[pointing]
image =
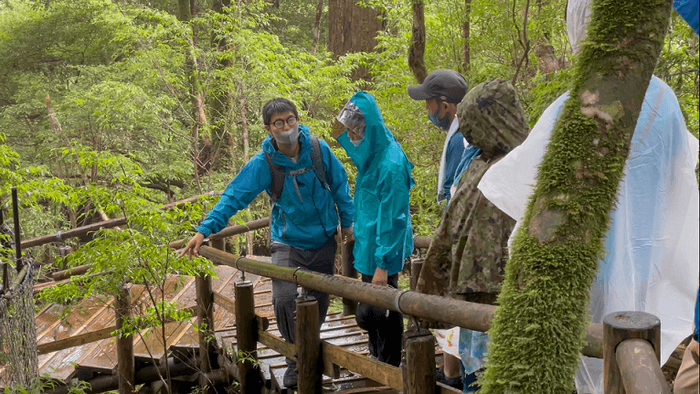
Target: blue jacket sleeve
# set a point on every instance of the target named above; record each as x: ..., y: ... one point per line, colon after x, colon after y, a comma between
x: 455, y: 148
x: 240, y: 192
x: 394, y: 220
x: 338, y: 182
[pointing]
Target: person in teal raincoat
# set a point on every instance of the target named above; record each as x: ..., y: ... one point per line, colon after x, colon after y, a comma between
x: 382, y: 230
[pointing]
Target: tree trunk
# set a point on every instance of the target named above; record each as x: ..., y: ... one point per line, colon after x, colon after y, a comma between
x: 246, y: 148
x: 351, y: 29
x: 317, y: 26
x: 537, y: 332
x: 417, y: 48
x: 466, y: 61
x: 200, y: 156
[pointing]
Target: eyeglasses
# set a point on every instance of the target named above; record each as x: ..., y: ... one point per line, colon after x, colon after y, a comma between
x: 291, y: 121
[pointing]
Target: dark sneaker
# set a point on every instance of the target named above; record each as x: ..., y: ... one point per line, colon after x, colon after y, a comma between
x: 455, y: 382
x: 289, y: 379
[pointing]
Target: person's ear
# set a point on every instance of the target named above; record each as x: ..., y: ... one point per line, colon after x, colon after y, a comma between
x: 267, y: 128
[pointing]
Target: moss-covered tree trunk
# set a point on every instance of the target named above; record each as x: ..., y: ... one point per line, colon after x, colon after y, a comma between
x: 537, y: 333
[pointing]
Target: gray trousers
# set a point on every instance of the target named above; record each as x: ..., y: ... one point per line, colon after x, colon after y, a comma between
x: 284, y: 294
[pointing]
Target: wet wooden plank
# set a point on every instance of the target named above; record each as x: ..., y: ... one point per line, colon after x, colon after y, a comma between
x: 81, y: 315
x: 185, y: 339
x: 103, y: 356
x: 151, y: 342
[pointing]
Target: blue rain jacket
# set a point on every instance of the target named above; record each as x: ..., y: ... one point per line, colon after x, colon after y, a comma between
x: 304, y: 216
x: 383, y: 230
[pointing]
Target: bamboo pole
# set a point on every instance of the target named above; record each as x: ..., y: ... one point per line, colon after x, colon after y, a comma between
x: 228, y: 231
x: 465, y: 314
x: 78, y: 231
x: 640, y: 371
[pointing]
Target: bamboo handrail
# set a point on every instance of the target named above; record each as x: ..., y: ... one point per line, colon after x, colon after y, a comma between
x: 460, y: 313
x: 639, y: 369
x: 78, y: 231
x: 229, y: 231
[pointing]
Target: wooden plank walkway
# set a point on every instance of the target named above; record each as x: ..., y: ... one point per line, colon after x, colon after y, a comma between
x: 100, y: 357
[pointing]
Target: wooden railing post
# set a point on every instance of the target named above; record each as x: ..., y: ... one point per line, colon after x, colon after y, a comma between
x: 618, y: 327
x: 125, y: 344
x: 218, y: 244
x: 247, y: 338
x: 205, y: 319
x: 308, y: 346
x: 348, y: 268
x: 418, y: 363
x: 416, y: 265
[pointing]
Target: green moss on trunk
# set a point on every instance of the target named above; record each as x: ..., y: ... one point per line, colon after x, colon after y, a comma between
x: 537, y: 333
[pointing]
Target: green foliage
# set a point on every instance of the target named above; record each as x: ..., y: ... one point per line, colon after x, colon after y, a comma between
x: 118, y: 136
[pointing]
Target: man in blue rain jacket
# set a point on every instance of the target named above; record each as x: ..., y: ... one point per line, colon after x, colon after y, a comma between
x: 304, y: 217
x: 383, y: 234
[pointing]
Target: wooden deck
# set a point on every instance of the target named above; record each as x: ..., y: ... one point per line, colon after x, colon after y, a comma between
x: 97, y: 358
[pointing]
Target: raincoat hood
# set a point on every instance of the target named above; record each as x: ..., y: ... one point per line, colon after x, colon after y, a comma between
x: 491, y: 119
x: 383, y: 230
x: 376, y: 135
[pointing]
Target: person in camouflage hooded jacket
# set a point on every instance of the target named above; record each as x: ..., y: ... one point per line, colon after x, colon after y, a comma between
x: 467, y: 256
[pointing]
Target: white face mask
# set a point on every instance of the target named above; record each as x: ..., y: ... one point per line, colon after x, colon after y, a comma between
x: 356, y: 143
x: 288, y: 137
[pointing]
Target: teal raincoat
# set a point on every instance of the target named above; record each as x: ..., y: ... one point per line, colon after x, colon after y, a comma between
x: 383, y: 231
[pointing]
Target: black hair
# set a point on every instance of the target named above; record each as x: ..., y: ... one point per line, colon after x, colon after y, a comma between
x: 275, y: 106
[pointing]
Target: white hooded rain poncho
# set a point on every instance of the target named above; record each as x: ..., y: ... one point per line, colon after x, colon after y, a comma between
x: 651, y: 261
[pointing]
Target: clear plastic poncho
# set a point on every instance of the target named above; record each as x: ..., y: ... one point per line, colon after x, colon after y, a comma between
x: 652, y: 258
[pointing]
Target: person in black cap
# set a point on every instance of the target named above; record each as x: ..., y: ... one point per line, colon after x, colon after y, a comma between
x: 442, y: 90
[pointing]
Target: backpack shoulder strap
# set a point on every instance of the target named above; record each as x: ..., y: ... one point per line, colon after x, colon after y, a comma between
x: 317, y: 160
x: 277, y: 178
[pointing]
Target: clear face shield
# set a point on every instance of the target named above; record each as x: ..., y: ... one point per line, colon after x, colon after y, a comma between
x: 352, y: 120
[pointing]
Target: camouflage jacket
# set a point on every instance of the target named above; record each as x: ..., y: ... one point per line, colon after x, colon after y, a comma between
x: 467, y: 256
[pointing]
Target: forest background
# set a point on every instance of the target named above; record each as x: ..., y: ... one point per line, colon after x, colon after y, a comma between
x: 115, y: 108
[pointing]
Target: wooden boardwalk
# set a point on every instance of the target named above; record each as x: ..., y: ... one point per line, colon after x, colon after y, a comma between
x: 93, y: 315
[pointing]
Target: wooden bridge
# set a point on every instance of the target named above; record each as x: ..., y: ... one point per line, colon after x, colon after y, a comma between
x: 235, y: 309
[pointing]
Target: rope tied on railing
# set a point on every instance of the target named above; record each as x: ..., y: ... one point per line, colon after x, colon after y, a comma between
x: 235, y: 264
x: 294, y: 275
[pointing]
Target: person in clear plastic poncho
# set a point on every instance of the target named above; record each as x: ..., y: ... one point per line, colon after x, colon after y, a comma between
x: 383, y: 231
x: 651, y: 261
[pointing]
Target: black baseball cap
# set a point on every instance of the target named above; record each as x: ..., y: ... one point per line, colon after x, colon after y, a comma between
x: 446, y: 85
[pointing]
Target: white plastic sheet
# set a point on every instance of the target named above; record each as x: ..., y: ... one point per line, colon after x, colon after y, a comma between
x: 652, y: 258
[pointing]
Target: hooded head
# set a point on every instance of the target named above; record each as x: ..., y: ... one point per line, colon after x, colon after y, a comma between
x: 491, y: 118
x: 364, y: 133
x: 578, y: 14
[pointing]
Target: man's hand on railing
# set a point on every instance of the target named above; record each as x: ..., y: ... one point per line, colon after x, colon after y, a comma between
x: 380, y: 277
x: 192, y: 247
